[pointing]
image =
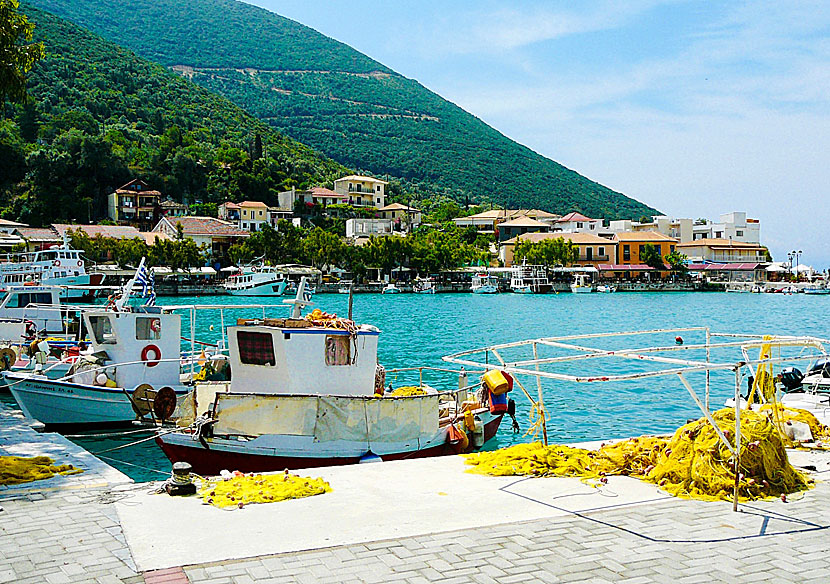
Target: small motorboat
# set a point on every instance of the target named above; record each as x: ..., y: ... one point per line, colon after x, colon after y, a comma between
x: 485, y: 284
x: 390, y: 288
x: 606, y: 288
x: 423, y: 287
x: 581, y: 284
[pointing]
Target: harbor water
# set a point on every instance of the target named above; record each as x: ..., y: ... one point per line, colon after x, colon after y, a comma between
x: 417, y: 330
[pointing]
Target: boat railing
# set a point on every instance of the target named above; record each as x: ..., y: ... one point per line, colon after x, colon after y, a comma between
x: 183, y: 361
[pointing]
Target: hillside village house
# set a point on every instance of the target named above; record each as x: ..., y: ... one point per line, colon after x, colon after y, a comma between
x: 362, y: 191
x: 171, y: 208
x: 252, y: 215
x: 134, y: 203
x: 361, y: 227
x: 520, y: 226
x: 487, y: 221
x: 577, y: 223
x: 216, y: 235
x: 401, y: 214
x: 593, y: 249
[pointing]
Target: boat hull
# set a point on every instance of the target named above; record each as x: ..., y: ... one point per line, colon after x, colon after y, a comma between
x: 210, y: 456
x: 581, y: 289
x: 273, y: 288
x: 485, y: 290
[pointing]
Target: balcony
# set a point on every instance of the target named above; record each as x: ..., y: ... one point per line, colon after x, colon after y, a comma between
x: 593, y: 258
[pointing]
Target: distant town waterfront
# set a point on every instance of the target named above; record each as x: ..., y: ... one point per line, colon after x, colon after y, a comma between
x: 420, y: 329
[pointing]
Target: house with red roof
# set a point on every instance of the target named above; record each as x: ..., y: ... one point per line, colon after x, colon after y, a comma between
x: 216, y: 235
x: 575, y: 222
x: 134, y: 203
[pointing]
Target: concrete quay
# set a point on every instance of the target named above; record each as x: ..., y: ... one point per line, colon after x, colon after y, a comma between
x: 404, y: 522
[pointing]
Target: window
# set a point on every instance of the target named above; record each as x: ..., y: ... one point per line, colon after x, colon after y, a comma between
x: 601, y: 251
x: 256, y: 348
x: 24, y: 299
x: 626, y: 253
x: 589, y: 253
x: 338, y: 350
x: 101, y: 327
x: 377, y: 188
x: 147, y: 329
x: 739, y: 233
x: 579, y: 225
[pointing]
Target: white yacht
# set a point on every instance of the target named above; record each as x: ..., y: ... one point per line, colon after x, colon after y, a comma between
x: 485, y: 284
x: 260, y: 280
x: 56, y: 266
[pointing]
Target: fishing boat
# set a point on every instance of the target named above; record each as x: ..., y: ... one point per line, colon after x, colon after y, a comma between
x: 581, y: 284
x: 257, y: 280
x: 423, y: 286
x: 529, y: 279
x: 390, y: 288
x: 816, y: 289
x: 606, y: 288
x: 485, y: 284
x: 344, y: 287
x: 56, y: 266
x: 308, y: 392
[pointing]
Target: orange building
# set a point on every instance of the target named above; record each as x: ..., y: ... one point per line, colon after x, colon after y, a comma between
x: 593, y: 250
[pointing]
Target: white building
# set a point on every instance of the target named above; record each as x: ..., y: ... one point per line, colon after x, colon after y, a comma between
x: 368, y: 227
x: 734, y: 226
x: 362, y: 191
x: 577, y: 223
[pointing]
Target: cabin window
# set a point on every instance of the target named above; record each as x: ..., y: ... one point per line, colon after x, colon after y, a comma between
x: 25, y: 298
x: 147, y: 329
x: 338, y: 350
x: 101, y: 327
x: 256, y: 348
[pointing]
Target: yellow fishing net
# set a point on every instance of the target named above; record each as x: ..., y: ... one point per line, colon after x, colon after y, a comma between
x: 693, y: 463
x: 16, y: 469
x: 406, y: 391
x: 244, y: 489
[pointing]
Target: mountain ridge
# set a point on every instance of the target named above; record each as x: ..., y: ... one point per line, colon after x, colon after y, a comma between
x: 343, y: 103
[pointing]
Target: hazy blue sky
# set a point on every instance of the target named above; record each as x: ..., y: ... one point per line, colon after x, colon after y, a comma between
x: 696, y: 108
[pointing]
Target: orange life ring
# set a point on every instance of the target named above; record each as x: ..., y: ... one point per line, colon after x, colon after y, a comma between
x: 156, y: 355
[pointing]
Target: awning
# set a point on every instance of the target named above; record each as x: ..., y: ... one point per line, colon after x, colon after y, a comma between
x: 731, y: 267
x: 624, y: 268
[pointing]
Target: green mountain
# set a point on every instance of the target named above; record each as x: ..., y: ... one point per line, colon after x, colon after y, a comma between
x: 339, y: 101
x: 99, y: 115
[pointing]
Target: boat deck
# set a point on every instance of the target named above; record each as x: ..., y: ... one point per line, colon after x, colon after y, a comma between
x: 423, y: 520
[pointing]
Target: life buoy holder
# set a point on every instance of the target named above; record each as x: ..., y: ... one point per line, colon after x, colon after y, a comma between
x: 145, y: 354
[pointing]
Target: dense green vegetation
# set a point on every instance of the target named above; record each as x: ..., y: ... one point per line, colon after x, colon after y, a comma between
x: 176, y: 253
x: 17, y: 53
x: 346, y: 105
x: 547, y: 252
x: 98, y: 116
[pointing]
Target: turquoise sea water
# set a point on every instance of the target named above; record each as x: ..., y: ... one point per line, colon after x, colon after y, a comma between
x: 420, y: 329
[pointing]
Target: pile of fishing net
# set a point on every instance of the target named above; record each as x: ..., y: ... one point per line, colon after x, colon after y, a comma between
x: 406, y: 391
x: 17, y: 469
x: 694, y: 463
x: 241, y: 489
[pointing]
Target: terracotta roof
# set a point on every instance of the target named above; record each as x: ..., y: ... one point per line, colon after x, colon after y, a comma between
x: 129, y: 192
x: 574, y: 216
x: 577, y: 238
x: 114, y: 231
x: 358, y: 177
x: 37, y: 233
x: 646, y: 236
x: 524, y: 222
x: 399, y: 207
x: 537, y: 213
x: 253, y: 204
x: 229, y: 205
x: 171, y: 204
x: 7, y: 223
x: 719, y: 242
x: 204, y: 226
x: 323, y: 192
x: 150, y: 236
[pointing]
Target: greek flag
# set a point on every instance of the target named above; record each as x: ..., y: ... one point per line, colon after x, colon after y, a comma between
x: 147, y: 280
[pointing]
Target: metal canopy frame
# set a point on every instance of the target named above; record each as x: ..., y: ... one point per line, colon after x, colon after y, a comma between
x: 811, y: 349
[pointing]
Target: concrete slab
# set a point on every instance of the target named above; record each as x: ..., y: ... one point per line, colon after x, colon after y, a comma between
x: 369, y: 502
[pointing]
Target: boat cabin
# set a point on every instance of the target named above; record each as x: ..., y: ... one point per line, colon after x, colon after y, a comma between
x: 144, y: 343
x: 292, y: 356
x: 39, y: 305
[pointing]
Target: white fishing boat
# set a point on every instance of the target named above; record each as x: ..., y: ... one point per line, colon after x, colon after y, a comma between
x: 606, y: 288
x: 529, y: 279
x: 485, y: 284
x: 390, y: 288
x: 258, y: 280
x: 57, y: 266
x: 423, y: 286
x: 308, y: 392
x: 581, y: 284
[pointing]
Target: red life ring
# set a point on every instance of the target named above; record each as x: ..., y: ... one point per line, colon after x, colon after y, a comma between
x: 155, y: 325
x: 156, y: 355
x: 56, y: 262
x: 80, y: 263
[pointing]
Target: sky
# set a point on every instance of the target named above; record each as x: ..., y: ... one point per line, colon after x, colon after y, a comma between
x: 696, y: 108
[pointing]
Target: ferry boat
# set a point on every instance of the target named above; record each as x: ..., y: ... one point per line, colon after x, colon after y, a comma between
x: 423, y: 286
x: 56, y: 266
x: 529, y: 279
x: 260, y: 280
x: 581, y: 284
x: 308, y: 392
x: 485, y: 284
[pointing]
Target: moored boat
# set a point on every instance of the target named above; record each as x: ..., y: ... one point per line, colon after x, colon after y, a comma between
x: 308, y: 392
x: 529, y: 279
x: 259, y: 280
x: 581, y: 284
x: 423, y: 286
x: 56, y: 266
x: 390, y: 288
x: 485, y: 284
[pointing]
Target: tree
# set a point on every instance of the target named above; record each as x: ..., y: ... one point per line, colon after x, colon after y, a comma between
x: 204, y: 209
x: 17, y: 54
x: 651, y: 257
x: 677, y: 262
x: 547, y: 252
x: 322, y: 247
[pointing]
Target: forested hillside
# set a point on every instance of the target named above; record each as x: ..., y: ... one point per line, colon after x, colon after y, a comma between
x: 99, y: 115
x: 341, y: 102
